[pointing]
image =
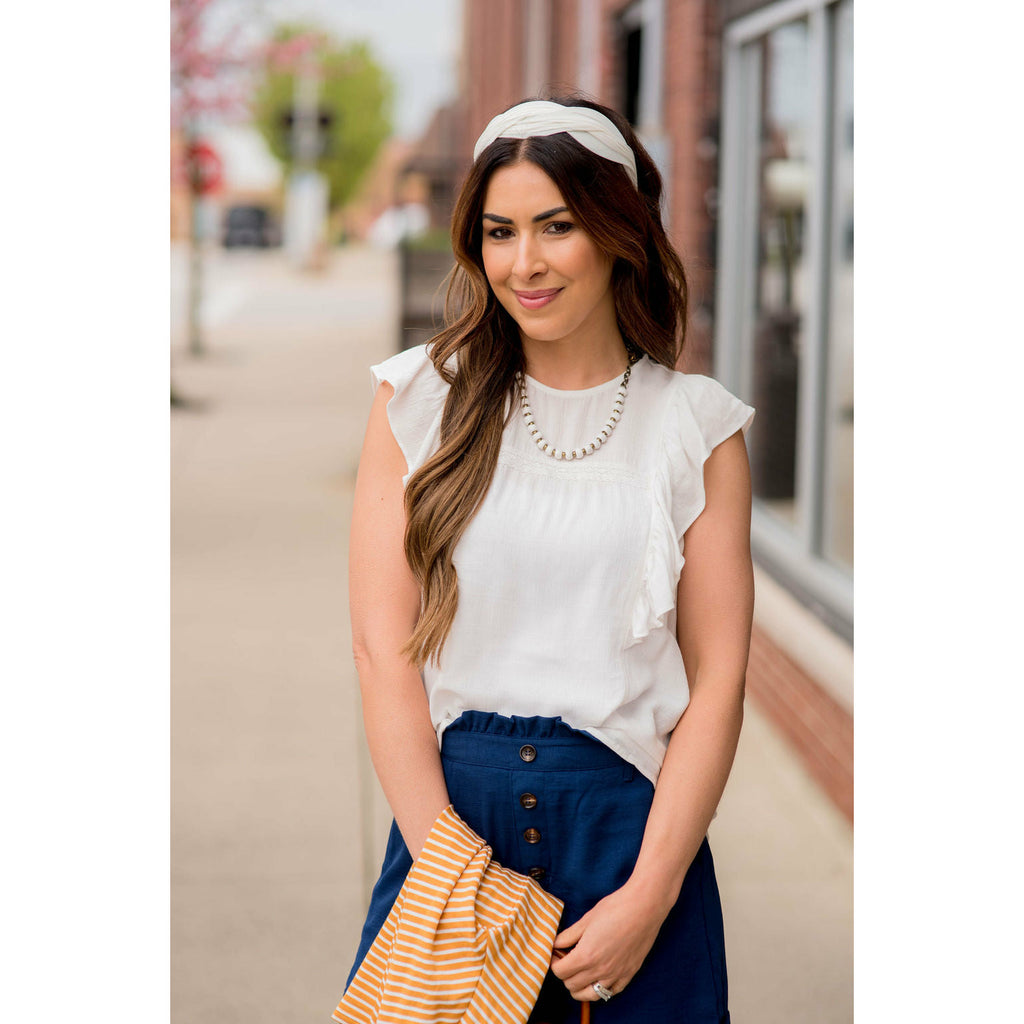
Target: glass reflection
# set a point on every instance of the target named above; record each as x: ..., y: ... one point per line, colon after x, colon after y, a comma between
x: 780, y: 300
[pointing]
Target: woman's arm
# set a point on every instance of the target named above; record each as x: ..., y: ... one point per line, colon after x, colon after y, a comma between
x: 715, y: 608
x: 384, y: 600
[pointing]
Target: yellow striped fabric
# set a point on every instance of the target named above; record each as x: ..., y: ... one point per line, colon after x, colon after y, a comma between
x: 467, y: 941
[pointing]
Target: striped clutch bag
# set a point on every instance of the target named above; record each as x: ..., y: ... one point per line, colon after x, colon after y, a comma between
x: 467, y: 940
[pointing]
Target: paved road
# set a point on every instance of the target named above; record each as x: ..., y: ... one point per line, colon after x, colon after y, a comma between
x: 277, y: 825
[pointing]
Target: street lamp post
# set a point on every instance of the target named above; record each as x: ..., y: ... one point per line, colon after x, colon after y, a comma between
x: 306, y: 198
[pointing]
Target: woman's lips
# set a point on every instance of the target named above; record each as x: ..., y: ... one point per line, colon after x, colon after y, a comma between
x: 534, y: 300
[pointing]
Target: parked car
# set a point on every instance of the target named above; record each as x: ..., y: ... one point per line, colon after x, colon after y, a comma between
x: 250, y: 227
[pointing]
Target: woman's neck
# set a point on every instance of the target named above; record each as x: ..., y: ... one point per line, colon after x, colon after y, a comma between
x: 575, y: 365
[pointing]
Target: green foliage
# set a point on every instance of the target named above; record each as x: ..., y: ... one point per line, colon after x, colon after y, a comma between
x: 434, y: 240
x: 356, y: 90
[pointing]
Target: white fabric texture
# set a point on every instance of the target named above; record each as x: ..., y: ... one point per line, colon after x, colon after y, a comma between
x: 590, y: 128
x: 568, y: 571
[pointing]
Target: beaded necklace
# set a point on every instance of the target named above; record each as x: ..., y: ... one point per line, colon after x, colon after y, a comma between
x: 602, y: 435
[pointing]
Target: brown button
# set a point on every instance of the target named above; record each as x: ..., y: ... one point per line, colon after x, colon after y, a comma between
x: 536, y: 873
x: 528, y: 800
x: 527, y: 752
x: 532, y: 835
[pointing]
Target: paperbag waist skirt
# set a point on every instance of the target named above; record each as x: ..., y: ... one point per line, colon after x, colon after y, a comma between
x: 559, y: 806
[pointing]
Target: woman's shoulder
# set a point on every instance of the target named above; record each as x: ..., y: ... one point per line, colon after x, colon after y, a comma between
x: 410, y: 369
x: 694, y: 404
x: 680, y: 386
x: 415, y: 408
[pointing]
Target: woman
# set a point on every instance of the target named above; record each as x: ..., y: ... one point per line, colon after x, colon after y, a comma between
x: 529, y: 483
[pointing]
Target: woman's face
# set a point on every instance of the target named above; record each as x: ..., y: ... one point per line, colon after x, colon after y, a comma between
x: 543, y: 267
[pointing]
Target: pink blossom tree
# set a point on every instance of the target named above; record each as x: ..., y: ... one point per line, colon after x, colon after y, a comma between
x: 214, y: 57
x: 207, y: 82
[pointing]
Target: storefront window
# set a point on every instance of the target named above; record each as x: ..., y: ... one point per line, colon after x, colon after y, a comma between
x: 780, y: 292
x: 784, y: 321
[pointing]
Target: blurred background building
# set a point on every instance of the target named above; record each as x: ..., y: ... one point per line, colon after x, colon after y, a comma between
x: 365, y: 116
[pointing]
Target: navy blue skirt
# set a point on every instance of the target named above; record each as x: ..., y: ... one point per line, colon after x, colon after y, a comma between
x: 557, y: 805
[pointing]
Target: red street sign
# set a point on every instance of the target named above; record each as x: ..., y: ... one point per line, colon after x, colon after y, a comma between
x: 206, y: 169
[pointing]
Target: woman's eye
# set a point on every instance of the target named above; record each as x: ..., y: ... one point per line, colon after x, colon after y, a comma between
x: 499, y: 234
x: 560, y: 227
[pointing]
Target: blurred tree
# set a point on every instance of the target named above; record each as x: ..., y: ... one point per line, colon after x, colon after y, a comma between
x: 207, y: 80
x: 213, y: 61
x: 354, y: 99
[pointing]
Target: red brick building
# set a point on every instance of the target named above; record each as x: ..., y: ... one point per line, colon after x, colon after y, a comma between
x: 746, y: 106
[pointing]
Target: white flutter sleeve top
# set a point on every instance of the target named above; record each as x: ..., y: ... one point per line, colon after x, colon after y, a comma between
x: 568, y: 570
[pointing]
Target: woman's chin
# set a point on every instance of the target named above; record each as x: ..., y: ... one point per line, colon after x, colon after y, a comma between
x: 536, y: 329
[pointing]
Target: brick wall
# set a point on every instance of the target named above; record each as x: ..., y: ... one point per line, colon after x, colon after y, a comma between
x: 690, y: 104
x: 564, y: 63
x: 493, y: 62
x: 817, y: 727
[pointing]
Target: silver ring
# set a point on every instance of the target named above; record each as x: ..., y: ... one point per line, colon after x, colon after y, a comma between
x: 604, y: 993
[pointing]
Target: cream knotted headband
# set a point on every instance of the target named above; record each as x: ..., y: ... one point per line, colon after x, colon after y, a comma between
x: 588, y: 127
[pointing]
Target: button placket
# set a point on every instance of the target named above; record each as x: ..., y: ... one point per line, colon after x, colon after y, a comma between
x: 528, y: 814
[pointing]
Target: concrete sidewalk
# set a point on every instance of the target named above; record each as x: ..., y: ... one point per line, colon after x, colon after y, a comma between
x: 278, y: 825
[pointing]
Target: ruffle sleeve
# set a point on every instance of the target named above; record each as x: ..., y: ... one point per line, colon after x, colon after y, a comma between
x: 700, y: 415
x: 415, y: 409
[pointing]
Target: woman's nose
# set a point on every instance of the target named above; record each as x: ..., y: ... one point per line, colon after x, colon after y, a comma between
x: 529, y: 258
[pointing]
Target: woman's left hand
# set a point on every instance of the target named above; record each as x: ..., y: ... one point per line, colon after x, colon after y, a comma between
x: 609, y: 944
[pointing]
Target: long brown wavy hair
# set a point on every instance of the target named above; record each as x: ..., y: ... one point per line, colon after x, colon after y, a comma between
x: 479, y: 351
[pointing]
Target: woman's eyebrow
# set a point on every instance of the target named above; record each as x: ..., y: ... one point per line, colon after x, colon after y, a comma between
x: 540, y: 216
x: 550, y: 213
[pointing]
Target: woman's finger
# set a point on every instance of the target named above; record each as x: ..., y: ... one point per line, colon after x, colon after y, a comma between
x: 566, y: 958
x: 585, y: 982
x: 566, y: 966
x: 571, y: 935
x: 579, y: 978
x: 585, y: 993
